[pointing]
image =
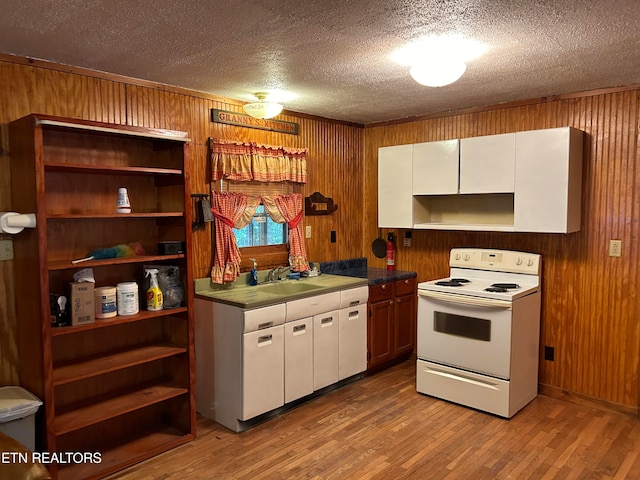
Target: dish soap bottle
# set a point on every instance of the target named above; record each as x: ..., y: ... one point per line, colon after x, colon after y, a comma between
x: 253, y: 275
x: 154, y: 294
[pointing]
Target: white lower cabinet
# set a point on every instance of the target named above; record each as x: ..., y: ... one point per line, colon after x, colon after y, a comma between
x: 352, y: 344
x: 250, y: 362
x: 298, y: 359
x: 325, y: 349
x: 262, y: 371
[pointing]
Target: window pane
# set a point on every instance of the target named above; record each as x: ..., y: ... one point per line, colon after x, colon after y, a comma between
x: 261, y: 231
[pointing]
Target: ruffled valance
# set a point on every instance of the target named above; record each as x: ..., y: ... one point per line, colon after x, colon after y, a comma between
x: 249, y: 161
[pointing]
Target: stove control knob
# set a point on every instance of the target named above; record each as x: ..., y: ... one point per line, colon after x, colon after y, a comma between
x: 519, y: 261
x: 530, y: 262
x: 457, y: 256
x: 466, y: 258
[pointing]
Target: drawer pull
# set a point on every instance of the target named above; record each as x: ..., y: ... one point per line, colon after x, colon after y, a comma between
x: 354, y: 313
x: 265, y: 339
x: 299, y: 328
x: 262, y: 326
x: 353, y: 303
x: 326, y: 320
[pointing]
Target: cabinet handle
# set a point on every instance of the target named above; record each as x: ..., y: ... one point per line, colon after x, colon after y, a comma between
x: 326, y: 320
x: 390, y: 302
x: 353, y: 314
x: 354, y: 303
x: 299, y: 328
x: 384, y: 286
x: 265, y: 325
x: 265, y: 339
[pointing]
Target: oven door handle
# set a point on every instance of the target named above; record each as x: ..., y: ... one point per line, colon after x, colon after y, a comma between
x: 466, y: 299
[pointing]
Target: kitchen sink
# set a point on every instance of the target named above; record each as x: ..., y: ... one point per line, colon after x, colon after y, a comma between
x: 288, y: 288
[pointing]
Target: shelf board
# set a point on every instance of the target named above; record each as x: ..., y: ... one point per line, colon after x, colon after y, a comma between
x: 109, y: 170
x: 114, y: 216
x: 103, y: 409
x: 147, y: 445
x: 480, y: 227
x: 117, y: 320
x: 110, y: 362
x: 66, y: 264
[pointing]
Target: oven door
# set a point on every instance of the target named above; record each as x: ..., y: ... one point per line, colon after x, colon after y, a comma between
x: 466, y: 332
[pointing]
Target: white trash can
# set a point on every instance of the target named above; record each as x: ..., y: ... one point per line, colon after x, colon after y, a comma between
x: 17, y: 414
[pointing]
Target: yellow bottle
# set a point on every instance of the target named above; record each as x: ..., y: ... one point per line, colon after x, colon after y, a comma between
x: 154, y: 294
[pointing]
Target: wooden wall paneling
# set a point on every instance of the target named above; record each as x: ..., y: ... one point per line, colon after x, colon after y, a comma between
x: 590, y: 305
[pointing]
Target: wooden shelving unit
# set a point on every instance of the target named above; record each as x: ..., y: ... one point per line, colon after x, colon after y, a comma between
x: 124, y: 386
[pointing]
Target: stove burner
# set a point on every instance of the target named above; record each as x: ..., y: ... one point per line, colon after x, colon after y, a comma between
x: 506, y: 285
x: 449, y: 283
x: 495, y: 289
x: 460, y: 280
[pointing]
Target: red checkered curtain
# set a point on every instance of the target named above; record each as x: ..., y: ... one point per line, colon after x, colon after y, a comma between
x: 269, y: 164
x: 296, y: 159
x: 230, y: 160
x: 290, y: 206
x: 228, y: 209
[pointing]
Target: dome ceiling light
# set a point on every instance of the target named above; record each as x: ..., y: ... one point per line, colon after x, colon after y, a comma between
x: 262, y: 109
x: 436, y: 61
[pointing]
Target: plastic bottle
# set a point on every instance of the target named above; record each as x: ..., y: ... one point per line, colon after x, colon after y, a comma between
x: 253, y: 276
x: 122, y: 204
x: 154, y: 294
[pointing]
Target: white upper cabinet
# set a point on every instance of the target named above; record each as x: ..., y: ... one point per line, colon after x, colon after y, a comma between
x: 524, y: 182
x: 394, y: 186
x: 548, y: 180
x: 436, y: 167
x: 487, y: 164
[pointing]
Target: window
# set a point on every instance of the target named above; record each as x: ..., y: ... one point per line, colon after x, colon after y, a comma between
x: 262, y: 231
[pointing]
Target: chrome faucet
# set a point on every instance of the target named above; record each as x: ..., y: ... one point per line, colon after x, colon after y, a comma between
x: 276, y: 273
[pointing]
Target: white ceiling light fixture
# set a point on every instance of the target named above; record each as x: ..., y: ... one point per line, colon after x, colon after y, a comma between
x: 437, y: 73
x: 262, y: 109
x: 437, y: 61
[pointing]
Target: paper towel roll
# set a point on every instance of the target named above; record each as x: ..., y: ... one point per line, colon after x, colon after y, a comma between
x: 13, y: 222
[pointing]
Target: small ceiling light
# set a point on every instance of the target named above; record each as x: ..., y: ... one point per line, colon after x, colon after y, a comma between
x: 262, y: 109
x: 436, y: 61
x: 437, y: 74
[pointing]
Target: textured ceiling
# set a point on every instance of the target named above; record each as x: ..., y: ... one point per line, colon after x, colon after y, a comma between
x: 334, y: 54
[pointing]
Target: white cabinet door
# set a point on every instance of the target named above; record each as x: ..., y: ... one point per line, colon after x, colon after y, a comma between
x: 394, y: 187
x: 352, y: 341
x: 325, y: 349
x: 298, y: 359
x: 487, y: 164
x: 548, y: 184
x: 436, y: 167
x: 262, y: 371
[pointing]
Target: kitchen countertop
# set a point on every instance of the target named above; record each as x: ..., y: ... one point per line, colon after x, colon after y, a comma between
x: 242, y: 295
x: 357, y: 268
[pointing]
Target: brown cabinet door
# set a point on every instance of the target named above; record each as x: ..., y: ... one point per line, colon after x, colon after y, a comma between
x: 405, y: 324
x: 381, y: 332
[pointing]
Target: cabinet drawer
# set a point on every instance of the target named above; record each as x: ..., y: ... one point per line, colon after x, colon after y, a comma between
x: 307, y: 307
x: 265, y: 317
x: 405, y: 287
x: 383, y: 291
x: 353, y: 297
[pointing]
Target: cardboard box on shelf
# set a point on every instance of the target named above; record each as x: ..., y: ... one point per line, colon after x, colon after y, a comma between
x: 82, y: 303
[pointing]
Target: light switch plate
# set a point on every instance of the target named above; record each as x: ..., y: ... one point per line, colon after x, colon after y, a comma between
x: 6, y: 249
x: 307, y: 231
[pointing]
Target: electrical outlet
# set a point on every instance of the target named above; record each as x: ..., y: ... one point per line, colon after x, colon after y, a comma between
x: 6, y: 249
x: 307, y: 231
x: 549, y: 353
x: 615, y: 248
x: 406, y: 242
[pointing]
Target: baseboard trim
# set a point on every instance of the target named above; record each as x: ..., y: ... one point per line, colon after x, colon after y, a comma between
x: 587, y: 401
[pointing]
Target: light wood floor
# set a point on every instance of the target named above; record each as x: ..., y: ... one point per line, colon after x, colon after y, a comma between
x: 380, y: 428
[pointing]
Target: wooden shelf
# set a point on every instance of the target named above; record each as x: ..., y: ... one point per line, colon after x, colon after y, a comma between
x: 109, y: 170
x: 76, y: 418
x: 66, y: 264
x: 147, y: 445
x: 117, y: 320
x: 116, y: 378
x: 101, y: 364
x: 114, y: 216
